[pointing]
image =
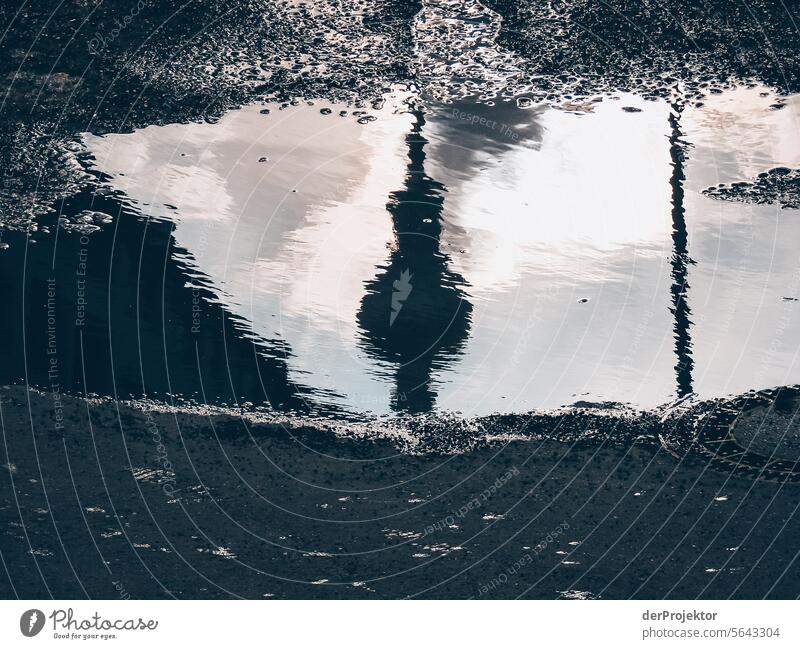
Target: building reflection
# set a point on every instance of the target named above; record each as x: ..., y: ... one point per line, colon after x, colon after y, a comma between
x: 415, y: 314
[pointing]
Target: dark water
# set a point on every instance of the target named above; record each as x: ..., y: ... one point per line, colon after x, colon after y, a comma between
x: 403, y: 308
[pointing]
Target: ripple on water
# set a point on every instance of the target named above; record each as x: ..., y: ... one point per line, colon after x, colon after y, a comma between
x: 524, y: 295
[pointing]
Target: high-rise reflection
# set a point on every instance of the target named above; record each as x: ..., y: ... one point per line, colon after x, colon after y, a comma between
x: 415, y: 313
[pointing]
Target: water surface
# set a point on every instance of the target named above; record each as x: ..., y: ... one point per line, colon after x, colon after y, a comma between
x: 474, y: 258
x: 307, y: 214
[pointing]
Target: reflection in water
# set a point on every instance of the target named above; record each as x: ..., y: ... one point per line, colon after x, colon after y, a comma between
x: 415, y: 314
x: 470, y: 134
x: 680, y: 258
x: 129, y: 318
x: 535, y: 218
x: 744, y: 335
x: 568, y: 229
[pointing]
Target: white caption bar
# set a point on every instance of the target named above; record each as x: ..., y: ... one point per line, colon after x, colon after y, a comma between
x: 399, y: 624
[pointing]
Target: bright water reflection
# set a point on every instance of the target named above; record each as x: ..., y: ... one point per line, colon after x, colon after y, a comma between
x: 476, y: 259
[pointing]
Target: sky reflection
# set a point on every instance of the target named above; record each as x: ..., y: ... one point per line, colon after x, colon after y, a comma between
x: 477, y: 259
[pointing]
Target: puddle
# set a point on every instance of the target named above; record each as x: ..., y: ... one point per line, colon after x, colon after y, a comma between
x: 471, y: 217
x: 480, y: 258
